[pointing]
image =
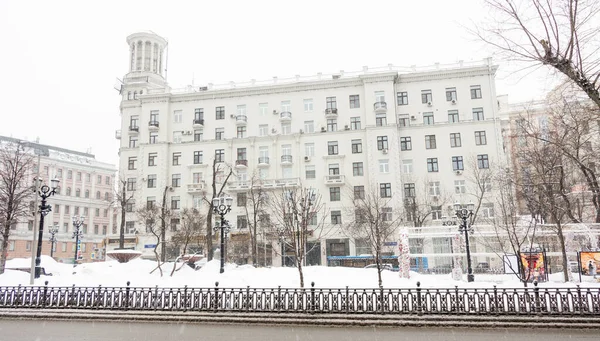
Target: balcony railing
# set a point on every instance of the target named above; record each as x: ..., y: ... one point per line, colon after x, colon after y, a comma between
x: 331, y: 112
x: 153, y: 124
x: 241, y: 119
x: 380, y: 106
x: 241, y: 163
x: 334, y: 179
x: 263, y: 160
x: 118, y: 134
x: 135, y: 129
x: 285, y: 116
x: 286, y: 159
x: 199, y: 122
x: 196, y: 187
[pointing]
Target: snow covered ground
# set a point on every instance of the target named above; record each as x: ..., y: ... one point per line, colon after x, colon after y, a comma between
x: 112, y: 273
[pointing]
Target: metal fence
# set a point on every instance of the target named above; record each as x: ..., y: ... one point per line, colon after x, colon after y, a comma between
x: 485, y: 301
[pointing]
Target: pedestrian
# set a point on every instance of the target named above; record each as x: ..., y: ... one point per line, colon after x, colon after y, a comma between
x: 592, y: 269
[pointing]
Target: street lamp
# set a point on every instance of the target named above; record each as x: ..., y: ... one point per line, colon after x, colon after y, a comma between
x: 77, y: 234
x: 44, y: 192
x: 222, y: 206
x: 281, y: 233
x: 53, y: 231
x: 464, y: 214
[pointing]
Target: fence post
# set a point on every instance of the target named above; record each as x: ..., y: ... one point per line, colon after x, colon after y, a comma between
x: 16, y: 301
x: 347, y: 300
x: 579, y: 299
x: 73, y: 300
x: 216, y: 303
x: 99, y: 296
x: 312, y: 297
x: 248, y: 301
x: 419, y: 303
x: 496, y: 310
x: 536, y: 292
x: 45, y: 293
x: 185, y: 298
x: 127, y: 295
x: 381, y: 300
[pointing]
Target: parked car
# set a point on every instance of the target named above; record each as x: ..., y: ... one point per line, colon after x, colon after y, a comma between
x: 483, y: 267
x: 386, y: 266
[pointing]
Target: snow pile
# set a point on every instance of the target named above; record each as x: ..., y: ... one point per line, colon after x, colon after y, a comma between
x: 138, y: 273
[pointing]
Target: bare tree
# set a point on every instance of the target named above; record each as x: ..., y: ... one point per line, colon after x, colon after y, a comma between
x: 189, y: 232
x: 422, y: 201
x: 218, y: 183
x: 15, y: 165
x: 561, y: 34
x: 123, y: 198
x: 479, y: 177
x: 254, y: 205
x: 374, y: 221
x: 150, y: 215
x: 297, y: 214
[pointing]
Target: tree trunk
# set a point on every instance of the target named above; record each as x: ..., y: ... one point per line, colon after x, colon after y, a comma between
x: 563, y: 251
x: 299, y: 265
x: 163, y: 228
x: 209, y: 230
x: 123, y: 204
x: 4, y: 254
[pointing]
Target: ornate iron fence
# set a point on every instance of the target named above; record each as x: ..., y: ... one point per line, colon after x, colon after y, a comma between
x: 485, y: 301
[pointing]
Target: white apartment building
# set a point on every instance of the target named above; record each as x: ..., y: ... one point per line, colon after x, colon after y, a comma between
x: 86, y: 188
x: 403, y: 131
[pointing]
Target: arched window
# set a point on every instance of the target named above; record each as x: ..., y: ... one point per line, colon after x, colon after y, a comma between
x: 147, y: 52
x: 78, y: 192
x: 87, y: 193
x: 138, y: 58
x: 98, y: 195
x: 132, y: 67
x: 69, y: 191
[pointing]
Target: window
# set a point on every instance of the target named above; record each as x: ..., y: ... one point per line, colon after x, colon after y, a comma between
x: 263, y: 109
x: 133, y: 122
x: 480, y: 138
x: 286, y: 128
x: 219, y: 132
x: 380, y: 120
x: 197, y: 177
x: 88, y: 177
x: 176, y: 180
x: 198, y: 135
x: 403, y: 121
x: 177, y: 116
x: 107, y: 182
x: 478, y: 114
x: 334, y: 194
x: 453, y: 116
x: 457, y: 163
x: 359, y: 192
x: 78, y: 176
x: 475, y: 91
x: 67, y: 209
x: 286, y: 106
x: 241, y: 132
x: 263, y: 130
x: 241, y: 199
x: 153, y: 138
x: 385, y: 190
x: 310, y: 172
x: 384, y: 166
x: 354, y: 101
x: 334, y: 169
x: 96, y: 228
x: 407, y: 166
x: 150, y: 202
x: 176, y: 158
x: 336, y: 217
x: 331, y: 103
x: 99, y: 180
x: 241, y: 109
x: 355, y: 123
x: 133, y: 141
x: 105, y: 213
x: 309, y: 126
x: 129, y: 206
x: 405, y: 143
x: 487, y: 210
x: 426, y: 96
x: 331, y: 125
x: 78, y: 192
x: 357, y: 168
x: 154, y: 117
x: 87, y: 193
x: 69, y: 174
x: 104, y: 229
x: 63, y: 247
x: 152, y: 159
x: 199, y: 115
x: 483, y: 161
x: 402, y: 98
x: 309, y: 149
x: 432, y: 164
x: 460, y: 186
x: 152, y: 181
x: 242, y: 154
x: 386, y: 214
x: 450, y: 94
x: 436, y: 212
x: 131, y: 163
x: 430, y: 142
x: 434, y: 188
x: 242, y: 222
x: 332, y: 148
x: 220, y: 155
x: 428, y: 118
x: 455, y: 140
x: 356, y: 146
x: 308, y: 105
x: 409, y: 190
x: 382, y: 142
x: 220, y: 113
x: 198, y: 157
x: 175, y: 203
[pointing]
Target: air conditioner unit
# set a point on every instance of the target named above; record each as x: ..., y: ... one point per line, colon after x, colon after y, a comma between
x: 323, y: 129
x: 428, y: 104
x: 453, y: 101
x: 413, y: 117
x: 143, y: 179
x: 274, y: 112
x: 307, y: 158
x: 434, y: 198
x: 346, y: 127
x: 384, y: 150
x: 458, y: 172
x: 203, y: 88
x: 336, y: 76
x: 232, y: 116
x: 273, y: 130
x: 301, y: 131
x: 189, y: 132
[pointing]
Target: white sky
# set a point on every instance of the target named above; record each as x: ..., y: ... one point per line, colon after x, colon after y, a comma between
x: 61, y: 58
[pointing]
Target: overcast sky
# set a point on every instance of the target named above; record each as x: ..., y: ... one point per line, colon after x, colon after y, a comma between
x: 60, y: 59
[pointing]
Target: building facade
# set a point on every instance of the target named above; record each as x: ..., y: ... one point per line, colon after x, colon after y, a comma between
x: 403, y: 132
x: 86, y: 188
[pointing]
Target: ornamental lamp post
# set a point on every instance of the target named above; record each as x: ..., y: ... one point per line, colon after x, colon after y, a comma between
x: 222, y: 206
x: 282, y: 241
x: 77, y: 234
x: 464, y: 214
x: 44, y: 192
x: 53, y: 231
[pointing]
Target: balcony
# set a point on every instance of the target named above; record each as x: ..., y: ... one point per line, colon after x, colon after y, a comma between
x: 285, y: 116
x: 197, y: 187
x: 241, y: 164
x: 118, y: 134
x: 153, y: 125
x: 331, y: 113
x: 334, y: 180
x: 380, y: 107
x: 286, y: 160
x: 287, y: 182
x: 238, y: 185
x: 198, y: 123
x: 241, y: 120
x: 263, y: 161
x: 134, y: 130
